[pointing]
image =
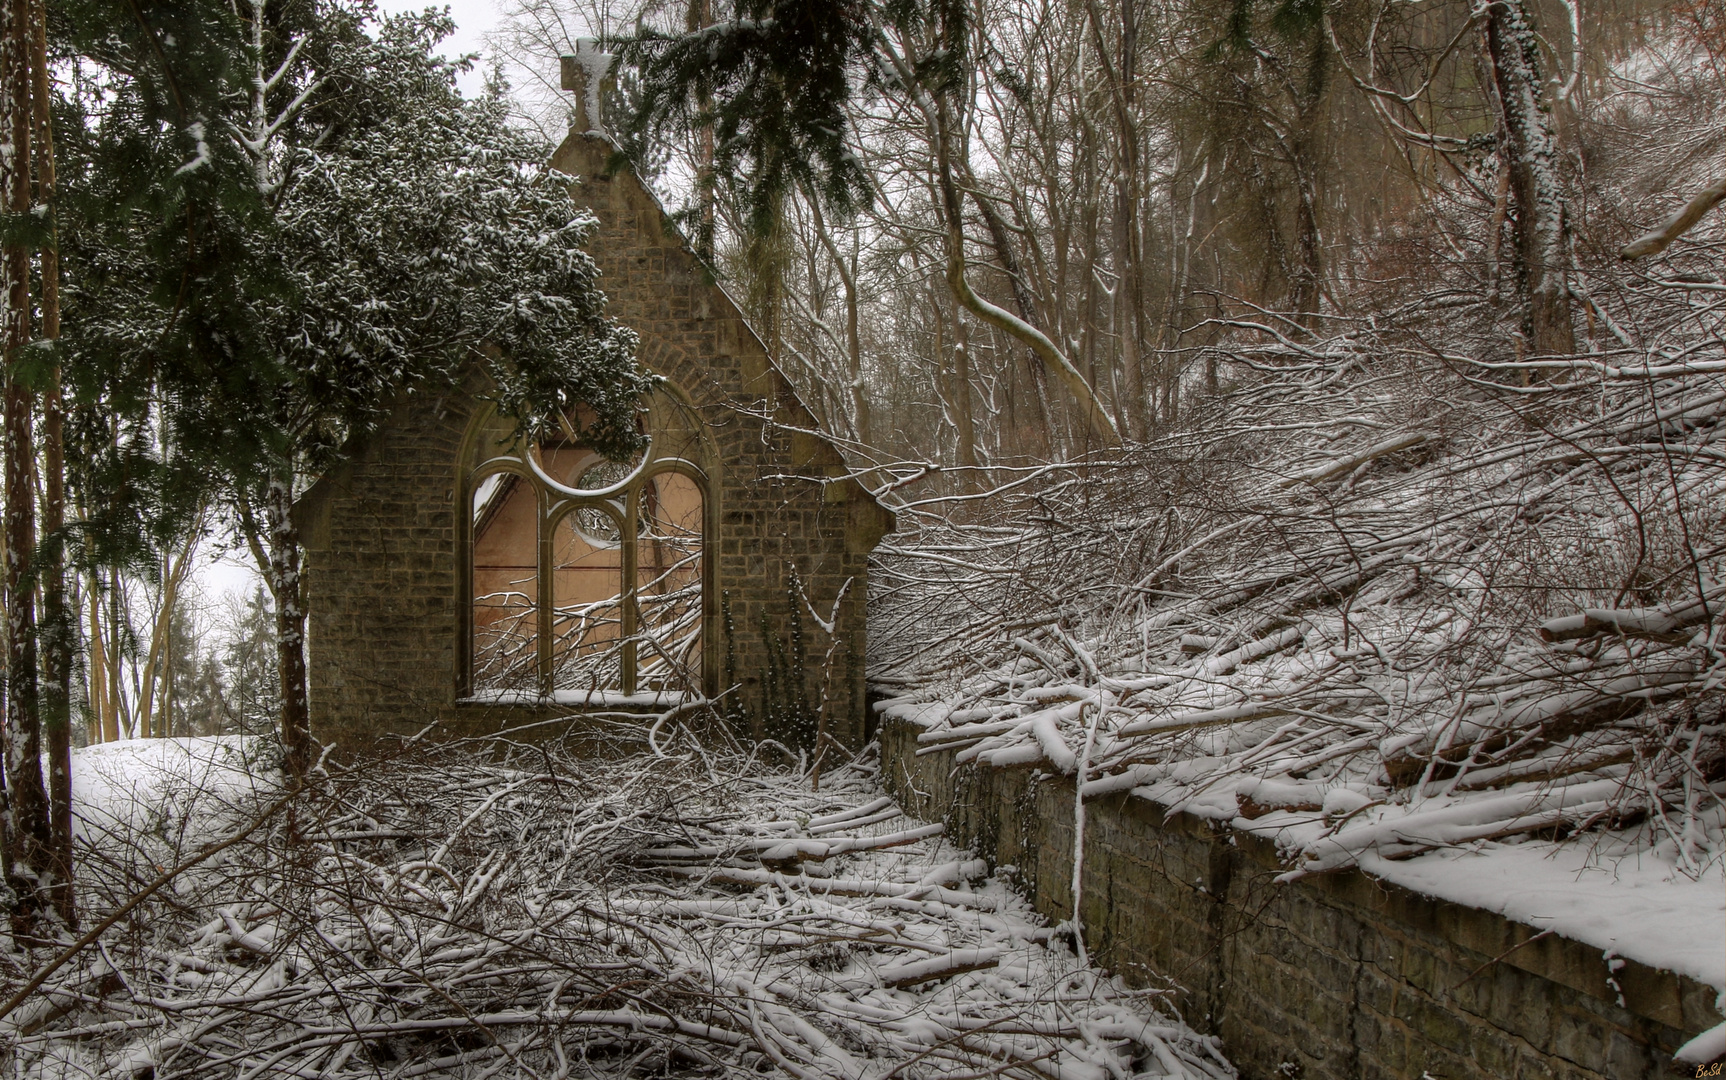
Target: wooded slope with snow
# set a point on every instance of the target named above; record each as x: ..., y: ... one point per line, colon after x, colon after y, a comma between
x: 1385, y: 594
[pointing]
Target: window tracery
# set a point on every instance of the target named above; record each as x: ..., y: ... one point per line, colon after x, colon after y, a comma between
x: 586, y: 577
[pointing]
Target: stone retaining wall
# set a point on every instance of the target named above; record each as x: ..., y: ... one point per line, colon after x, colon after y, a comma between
x: 1334, y: 976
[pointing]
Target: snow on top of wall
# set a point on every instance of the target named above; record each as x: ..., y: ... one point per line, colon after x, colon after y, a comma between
x: 1628, y: 903
x: 1610, y: 890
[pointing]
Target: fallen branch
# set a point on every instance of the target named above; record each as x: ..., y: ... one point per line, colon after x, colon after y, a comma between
x: 1677, y: 225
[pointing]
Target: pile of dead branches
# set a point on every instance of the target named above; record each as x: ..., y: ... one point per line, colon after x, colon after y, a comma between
x: 522, y: 910
x: 1420, y: 596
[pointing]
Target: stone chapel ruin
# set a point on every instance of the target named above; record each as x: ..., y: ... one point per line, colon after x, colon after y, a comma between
x: 455, y: 574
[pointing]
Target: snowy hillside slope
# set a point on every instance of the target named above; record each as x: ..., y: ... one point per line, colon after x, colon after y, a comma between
x: 465, y: 909
x: 141, y: 784
x: 1381, y: 598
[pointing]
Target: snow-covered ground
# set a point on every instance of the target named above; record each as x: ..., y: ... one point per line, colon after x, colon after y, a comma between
x: 140, y: 783
x: 464, y: 908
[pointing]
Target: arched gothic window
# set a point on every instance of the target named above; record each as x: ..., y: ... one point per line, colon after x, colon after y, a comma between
x: 586, y: 577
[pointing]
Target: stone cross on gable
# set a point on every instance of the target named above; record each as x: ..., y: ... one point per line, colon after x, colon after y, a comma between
x: 584, y: 73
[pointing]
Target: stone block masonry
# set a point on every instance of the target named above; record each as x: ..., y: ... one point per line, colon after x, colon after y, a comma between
x: 386, y: 597
x: 1332, y: 977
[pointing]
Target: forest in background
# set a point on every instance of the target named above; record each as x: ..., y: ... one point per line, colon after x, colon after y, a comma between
x: 1289, y: 407
x: 1142, y: 183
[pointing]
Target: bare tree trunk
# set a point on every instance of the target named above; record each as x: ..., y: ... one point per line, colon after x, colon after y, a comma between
x: 853, y: 329
x: 119, y: 723
x: 1129, y: 289
x: 56, y: 687
x: 1304, y: 286
x: 284, y: 553
x: 102, y: 718
x: 1023, y: 301
x: 1002, y: 242
x: 1525, y: 134
x: 29, y: 832
x: 964, y: 415
x: 854, y: 346
x: 29, y: 828
x: 1086, y: 340
x: 157, y: 664
x: 1304, y: 156
x: 953, y: 386
x: 699, y: 16
x: 1096, y: 417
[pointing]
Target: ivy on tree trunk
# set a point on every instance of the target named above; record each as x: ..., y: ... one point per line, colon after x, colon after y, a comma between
x: 1525, y: 143
x: 284, y: 553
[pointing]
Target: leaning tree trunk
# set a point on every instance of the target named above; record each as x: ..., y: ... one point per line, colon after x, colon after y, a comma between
x: 56, y: 690
x: 284, y: 554
x: 1525, y: 135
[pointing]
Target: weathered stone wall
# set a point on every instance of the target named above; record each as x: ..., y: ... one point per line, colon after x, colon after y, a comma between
x: 385, y: 591
x: 382, y: 580
x: 774, y: 510
x: 1331, y: 977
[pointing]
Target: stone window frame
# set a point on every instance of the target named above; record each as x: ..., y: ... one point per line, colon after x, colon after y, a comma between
x: 554, y: 502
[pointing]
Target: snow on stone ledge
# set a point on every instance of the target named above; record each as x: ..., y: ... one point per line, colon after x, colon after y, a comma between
x: 1635, y: 906
x: 1626, y: 902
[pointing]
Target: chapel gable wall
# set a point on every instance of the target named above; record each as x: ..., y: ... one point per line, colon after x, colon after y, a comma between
x: 384, y: 583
